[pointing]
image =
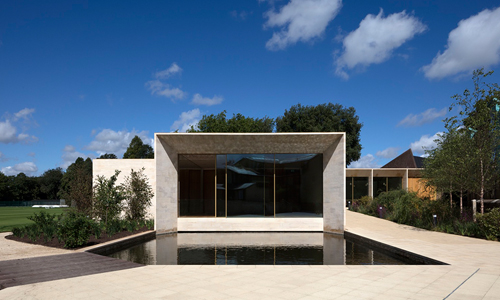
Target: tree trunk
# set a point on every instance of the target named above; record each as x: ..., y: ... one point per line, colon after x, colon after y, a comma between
x: 451, y: 196
x: 481, y: 196
x: 461, y: 206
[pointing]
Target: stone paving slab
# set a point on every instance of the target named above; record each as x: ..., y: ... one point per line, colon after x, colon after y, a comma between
x: 473, y: 273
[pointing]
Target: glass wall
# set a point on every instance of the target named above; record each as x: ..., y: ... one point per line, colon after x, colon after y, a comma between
x: 251, y: 185
x: 356, y: 187
x: 385, y: 184
x: 197, y: 185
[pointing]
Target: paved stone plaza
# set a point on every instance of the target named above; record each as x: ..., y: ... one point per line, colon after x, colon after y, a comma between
x: 473, y: 273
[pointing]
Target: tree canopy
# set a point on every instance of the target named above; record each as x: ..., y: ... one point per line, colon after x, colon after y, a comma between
x: 326, y: 117
x: 107, y: 156
x: 76, y: 184
x: 238, y: 123
x: 137, y: 149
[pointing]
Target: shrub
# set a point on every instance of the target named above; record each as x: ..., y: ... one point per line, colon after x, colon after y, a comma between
x: 138, y: 195
x: 490, y: 224
x: 76, y: 228
x: 114, y: 226
x: 46, y: 225
x: 107, y: 198
x: 18, y: 232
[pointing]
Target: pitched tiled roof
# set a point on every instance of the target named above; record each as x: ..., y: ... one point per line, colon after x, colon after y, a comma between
x: 406, y: 160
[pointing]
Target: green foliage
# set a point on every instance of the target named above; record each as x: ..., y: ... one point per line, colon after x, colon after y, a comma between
x: 76, y: 228
x: 46, y: 224
x: 138, y: 195
x: 50, y: 182
x: 107, y: 156
x: 137, y: 149
x: 490, y: 224
x: 238, y: 123
x: 107, y: 200
x: 326, y: 117
x: 76, y: 185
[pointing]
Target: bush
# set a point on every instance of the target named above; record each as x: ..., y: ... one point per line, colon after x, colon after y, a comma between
x: 490, y: 224
x: 46, y: 225
x: 76, y: 228
x: 138, y: 195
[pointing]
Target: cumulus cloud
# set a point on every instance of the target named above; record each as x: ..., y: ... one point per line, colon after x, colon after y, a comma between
x: 173, y: 69
x: 423, y: 118
x: 186, y: 120
x: 28, y: 168
x: 300, y: 20
x: 163, y: 89
x: 426, y: 142
x: 473, y: 44
x: 367, y: 161
x: 8, y: 128
x: 70, y: 155
x: 375, y: 40
x: 388, y: 153
x: 110, y: 141
x: 199, y: 100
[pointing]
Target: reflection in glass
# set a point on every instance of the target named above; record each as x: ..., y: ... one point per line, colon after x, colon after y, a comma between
x: 348, y: 188
x: 221, y: 185
x: 379, y: 185
x: 360, y: 187
x: 299, y: 185
x: 250, y: 185
x: 196, y: 185
x: 394, y: 183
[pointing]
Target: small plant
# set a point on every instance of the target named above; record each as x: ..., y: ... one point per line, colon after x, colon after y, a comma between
x: 18, y: 232
x: 76, y: 228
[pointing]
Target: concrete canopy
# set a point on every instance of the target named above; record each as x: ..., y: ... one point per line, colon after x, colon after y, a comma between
x: 169, y: 145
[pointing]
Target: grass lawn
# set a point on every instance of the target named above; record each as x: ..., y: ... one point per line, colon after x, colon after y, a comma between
x: 18, y: 216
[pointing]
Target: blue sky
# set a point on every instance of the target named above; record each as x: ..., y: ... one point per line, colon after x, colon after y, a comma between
x: 81, y: 78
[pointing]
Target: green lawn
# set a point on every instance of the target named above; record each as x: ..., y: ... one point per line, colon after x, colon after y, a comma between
x: 18, y: 216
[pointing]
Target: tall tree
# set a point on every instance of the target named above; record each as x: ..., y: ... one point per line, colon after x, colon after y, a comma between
x: 76, y: 184
x: 478, y: 113
x: 5, y: 188
x: 137, y: 149
x: 326, y: 117
x: 50, y: 182
x: 108, y: 156
x: 238, y: 123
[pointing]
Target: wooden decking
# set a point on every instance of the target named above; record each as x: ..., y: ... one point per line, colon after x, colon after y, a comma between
x: 40, y: 269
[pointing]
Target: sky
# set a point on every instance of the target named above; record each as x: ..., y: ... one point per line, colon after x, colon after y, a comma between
x: 82, y: 78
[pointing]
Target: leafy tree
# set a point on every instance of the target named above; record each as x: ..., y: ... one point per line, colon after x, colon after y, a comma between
x: 76, y: 185
x: 24, y: 188
x: 107, y: 198
x: 138, y: 195
x: 107, y: 156
x: 5, y: 188
x: 326, y: 117
x: 137, y: 149
x: 238, y: 123
x: 50, y: 182
x: 478, y: 113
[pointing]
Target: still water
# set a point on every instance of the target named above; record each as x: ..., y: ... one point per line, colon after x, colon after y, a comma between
x: 253, y: 249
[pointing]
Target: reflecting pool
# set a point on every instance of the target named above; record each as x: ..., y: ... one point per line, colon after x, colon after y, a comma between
x: 254, y: 249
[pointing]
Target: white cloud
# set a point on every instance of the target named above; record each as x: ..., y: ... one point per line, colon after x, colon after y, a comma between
x: 186, y: 120
x: 70, y: 155
x: 28, y: 168
x: 173, y: 69
x: 367, y: 161
x: 375, y: 40
x: 388, y: 153
x: 8, y: 129
x: 110, y: 141
x: 300, y: 20
x: 199, y: 100
x: 473, y: 44
x: 426, y: 142
x: 423, y: 118
x: 24, y: 113
x: 163, y: 89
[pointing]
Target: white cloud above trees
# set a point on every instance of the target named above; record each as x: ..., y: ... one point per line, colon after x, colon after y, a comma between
x: 186, y: 120
x: 367, y: 161
x: 375, y: 40
x: 110, y: 141
x: 9, y: 128
x: 200, y: 100
x: 390, y: 152
x: 425, y: 142
x: 70, y: 155
x: 300, y: 20
x: 425, y: 117
x: 28, y: 168
x: 473, y: 44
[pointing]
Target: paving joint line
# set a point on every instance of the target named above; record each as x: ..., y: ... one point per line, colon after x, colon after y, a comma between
x: 461, y: 284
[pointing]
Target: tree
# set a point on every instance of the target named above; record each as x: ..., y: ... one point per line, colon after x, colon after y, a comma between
x: 479, y: 115
x: 107, y: 198
x: 76, y: 185
x: 238, y: 123
x: 5, y: 188
x: 24, y: 188
x: 50, y: 182
x: 137, y: 149
x: 108, y: 156
x: 326, y: 117
x: 138, y: 195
